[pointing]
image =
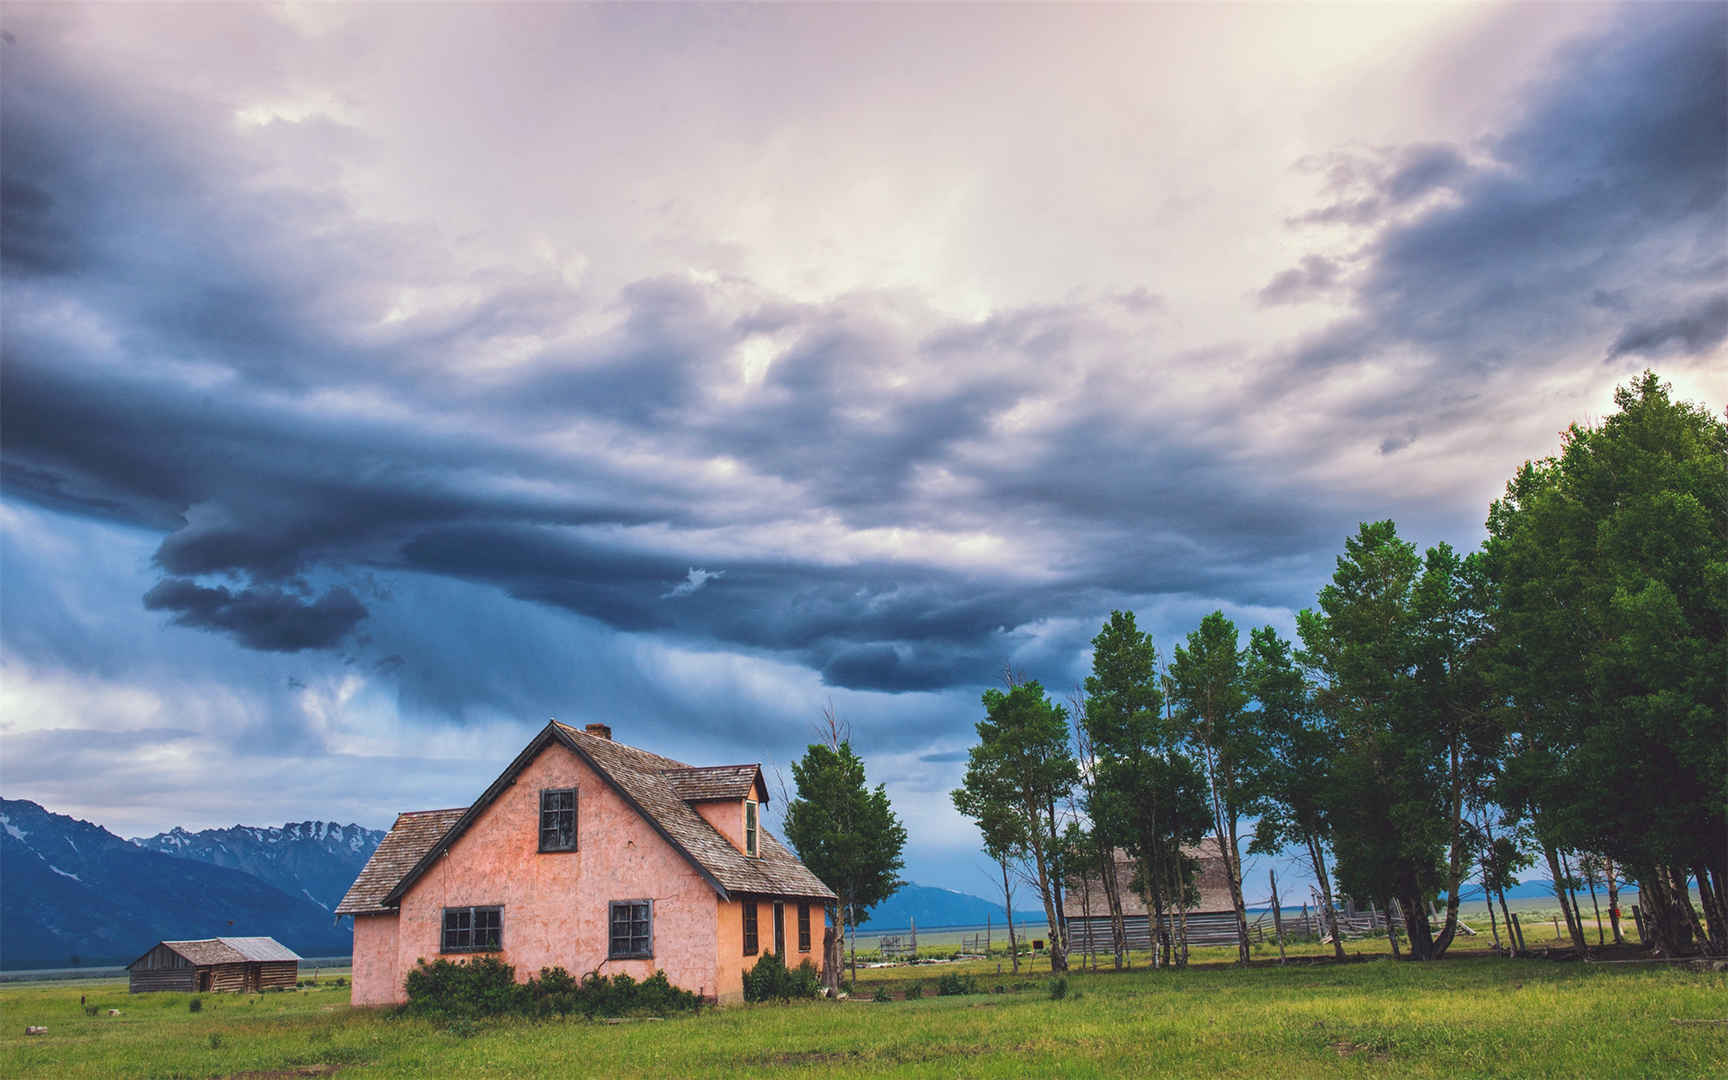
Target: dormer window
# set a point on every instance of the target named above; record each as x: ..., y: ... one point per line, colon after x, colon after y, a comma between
x: 750, y: 845
x: 558, y: 819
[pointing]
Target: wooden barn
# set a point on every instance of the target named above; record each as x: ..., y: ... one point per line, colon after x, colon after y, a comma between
x: 239, y: 964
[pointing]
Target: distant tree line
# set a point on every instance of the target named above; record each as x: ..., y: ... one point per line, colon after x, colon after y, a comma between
x: 1443, y: 719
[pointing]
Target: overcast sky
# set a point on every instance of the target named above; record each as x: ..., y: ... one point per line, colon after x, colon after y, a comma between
x: 379, y: 382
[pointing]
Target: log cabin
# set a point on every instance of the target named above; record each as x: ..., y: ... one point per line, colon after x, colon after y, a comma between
x: 234, y: 964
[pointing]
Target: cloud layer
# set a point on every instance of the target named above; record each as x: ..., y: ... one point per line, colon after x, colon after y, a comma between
x: 341, y: 430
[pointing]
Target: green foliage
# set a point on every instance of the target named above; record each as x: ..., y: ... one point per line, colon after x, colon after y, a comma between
x: 484, y: 986
x: 915, y: 991
x: 1021, y: 768
x: 881, y: 995
x: 771, y: 980
x: 1393, y: 648
x: 1058, y: 988
x: 952, y: 983
x: 1149, y: 794
x: 195, y: 1005
x: 845, y: 831
x: 1610, y: 567
x: 487, y: 987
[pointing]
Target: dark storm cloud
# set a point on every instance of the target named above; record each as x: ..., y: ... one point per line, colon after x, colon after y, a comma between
x: 272, y: 620
x: 1695, y: 330
x: 1608, y: 186
x: 195, y: 350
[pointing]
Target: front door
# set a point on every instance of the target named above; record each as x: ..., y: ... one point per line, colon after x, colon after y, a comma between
x: 780, y: 930
x: 204, y: 981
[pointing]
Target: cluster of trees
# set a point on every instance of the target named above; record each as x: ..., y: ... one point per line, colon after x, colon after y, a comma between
x: 1561, y: 694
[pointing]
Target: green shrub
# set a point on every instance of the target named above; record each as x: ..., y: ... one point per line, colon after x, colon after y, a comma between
x: 914, y: 992
x: 1059, y: 988
x: 881, y: 995
x: 770, y: 980
x: 484, y: 986
x: 488, y: 987
x: 215, y: 1041
x: 955, y: 983
x: 195, y: 1005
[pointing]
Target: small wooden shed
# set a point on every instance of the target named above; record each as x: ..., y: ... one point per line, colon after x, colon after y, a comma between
x: 239, y: 964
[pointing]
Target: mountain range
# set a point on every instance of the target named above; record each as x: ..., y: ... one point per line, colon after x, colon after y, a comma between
x: 314, y: 859
x: 75, y: 894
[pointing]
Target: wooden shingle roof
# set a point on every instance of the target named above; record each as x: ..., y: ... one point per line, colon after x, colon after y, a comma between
x: 659, y: 788
x: 407, y: 842
x: 717, y: 782
x: 230, y: 950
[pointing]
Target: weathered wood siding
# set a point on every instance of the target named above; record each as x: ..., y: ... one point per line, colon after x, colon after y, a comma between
x: 281, y: 973
x: 1204, y: 928
x: 227, y: 978
x: 161, y: 957
x: 153, y: 979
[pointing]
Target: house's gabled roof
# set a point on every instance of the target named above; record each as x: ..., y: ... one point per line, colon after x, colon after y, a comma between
x: 717, y: 782
x: 229, y: 950
x: 407, y: 842
x: 655, y: 786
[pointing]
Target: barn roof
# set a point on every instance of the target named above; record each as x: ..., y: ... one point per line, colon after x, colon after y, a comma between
x: 659, y: 788
x: 229, y: 950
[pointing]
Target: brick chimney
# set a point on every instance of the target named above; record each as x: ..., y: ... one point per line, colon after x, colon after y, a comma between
x: 599, y: 731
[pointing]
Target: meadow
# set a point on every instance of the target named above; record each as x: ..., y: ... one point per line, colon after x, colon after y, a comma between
x: 1470, y: 1015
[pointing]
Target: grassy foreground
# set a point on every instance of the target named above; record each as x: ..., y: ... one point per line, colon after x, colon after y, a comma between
x: 1462, y: 1017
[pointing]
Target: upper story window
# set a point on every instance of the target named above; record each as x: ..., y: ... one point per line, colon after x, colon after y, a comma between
x: 803, y: 927
x: 473, y: 929
x: 632, y: 929
x: 750, y: 830
x: 751, y: 944
x: 558, y: 819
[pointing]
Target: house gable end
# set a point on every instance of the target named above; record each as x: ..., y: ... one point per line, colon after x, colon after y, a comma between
x: 550, y: 734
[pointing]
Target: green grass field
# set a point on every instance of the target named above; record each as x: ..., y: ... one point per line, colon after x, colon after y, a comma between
x: 1467, y: 1016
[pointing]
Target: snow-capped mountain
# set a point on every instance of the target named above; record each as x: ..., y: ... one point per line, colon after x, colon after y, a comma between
x: 314, y: 859
x: 75, y: 894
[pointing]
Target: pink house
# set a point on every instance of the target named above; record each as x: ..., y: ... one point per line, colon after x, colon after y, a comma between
x: 592, y: 856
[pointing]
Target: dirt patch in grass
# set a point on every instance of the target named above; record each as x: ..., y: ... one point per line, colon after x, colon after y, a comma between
x: 284, y: 1074
x: 1344, y: 1048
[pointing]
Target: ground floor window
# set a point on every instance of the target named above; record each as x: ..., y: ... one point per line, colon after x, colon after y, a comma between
x: 473, y: 929
x: 803, y: 927
x: 750, y: 942
x: 632, y: 929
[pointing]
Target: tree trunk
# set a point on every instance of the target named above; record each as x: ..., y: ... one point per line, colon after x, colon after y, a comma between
x: 1572, y: 895
x: 1317, y: 854
x: 1391, y: 928
x: 1710, y: 893
x: 1684, y: 892
x: 1614, y: 904
x: 1559, y: 880
x: 1493, y: 923
x: 1058, y: 959
x: 1594, y: 906
x: 832, y: 962
x: 1233, y: 866
x: 1455, y: 863
x: 1666, y: 928
x: 1118, y: 929
x: 1008, y: 906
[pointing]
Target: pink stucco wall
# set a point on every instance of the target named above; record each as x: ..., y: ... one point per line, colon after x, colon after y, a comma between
x: 555, y: 904
x: 375, y: 961
x: 727, y: 817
